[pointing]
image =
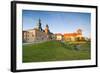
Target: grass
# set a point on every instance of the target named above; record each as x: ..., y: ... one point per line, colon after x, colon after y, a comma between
x: 54, y: 51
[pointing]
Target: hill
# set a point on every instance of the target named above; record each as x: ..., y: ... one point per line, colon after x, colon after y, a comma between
x: 54, y: 51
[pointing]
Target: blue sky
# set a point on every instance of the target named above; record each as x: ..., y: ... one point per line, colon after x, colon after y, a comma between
x: 59, y: 22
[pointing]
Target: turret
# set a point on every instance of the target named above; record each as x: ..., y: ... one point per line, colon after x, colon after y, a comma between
x: 47, y: 29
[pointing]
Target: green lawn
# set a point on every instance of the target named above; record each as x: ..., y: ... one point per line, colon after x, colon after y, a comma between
x: 54, y: 51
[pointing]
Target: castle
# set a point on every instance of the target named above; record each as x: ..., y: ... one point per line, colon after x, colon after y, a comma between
x: 38, y: 34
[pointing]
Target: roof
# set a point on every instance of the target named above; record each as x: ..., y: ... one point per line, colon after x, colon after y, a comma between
x: 58, y: 34
x: 71, y: 34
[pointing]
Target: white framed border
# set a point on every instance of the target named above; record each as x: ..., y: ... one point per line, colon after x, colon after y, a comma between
x: 39, y: 65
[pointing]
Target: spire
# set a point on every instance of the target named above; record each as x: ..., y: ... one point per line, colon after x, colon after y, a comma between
x: 47, y: 26
x: 38, y: 25
x: 39, y: 20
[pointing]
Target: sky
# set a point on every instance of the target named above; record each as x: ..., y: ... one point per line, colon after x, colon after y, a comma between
x: 58, y: 22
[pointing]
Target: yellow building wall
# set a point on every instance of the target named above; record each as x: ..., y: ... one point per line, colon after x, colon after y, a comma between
x: 58, y: 37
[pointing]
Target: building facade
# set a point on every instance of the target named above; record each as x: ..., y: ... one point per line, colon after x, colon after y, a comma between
x: 59, y: 36
x: 76, y: 36
x: 37, y: 34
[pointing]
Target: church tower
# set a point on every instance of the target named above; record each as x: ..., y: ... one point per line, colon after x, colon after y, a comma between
x: 79, y: 31
x: 47, y: 29
x: 38, y: 25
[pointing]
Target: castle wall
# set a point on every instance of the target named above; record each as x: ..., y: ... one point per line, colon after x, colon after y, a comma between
x: 34, y: 36
x: 41, y: 36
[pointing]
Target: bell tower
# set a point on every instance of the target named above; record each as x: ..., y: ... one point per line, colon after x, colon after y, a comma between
x: 47, y: 29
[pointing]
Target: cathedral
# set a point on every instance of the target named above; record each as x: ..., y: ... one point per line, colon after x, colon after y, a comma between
x: 37, y: 34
